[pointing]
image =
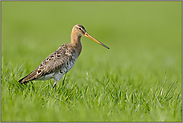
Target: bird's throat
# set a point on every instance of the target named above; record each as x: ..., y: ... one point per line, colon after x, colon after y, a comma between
x: 76, y: 41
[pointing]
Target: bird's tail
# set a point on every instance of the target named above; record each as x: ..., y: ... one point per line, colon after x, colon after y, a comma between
x: 29, y: 77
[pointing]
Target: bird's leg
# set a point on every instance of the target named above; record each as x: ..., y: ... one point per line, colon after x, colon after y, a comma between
x: 32, y: 85
x: 55, y: 83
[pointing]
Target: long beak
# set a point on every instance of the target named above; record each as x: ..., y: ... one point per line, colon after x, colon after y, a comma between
x: 90, y: 37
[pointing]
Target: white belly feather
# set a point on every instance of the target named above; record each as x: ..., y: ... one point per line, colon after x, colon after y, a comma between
x: 57, y: 75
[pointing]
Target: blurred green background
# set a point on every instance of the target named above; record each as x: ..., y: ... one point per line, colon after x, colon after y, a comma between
x: 144, y: 38
x: 39, y: 28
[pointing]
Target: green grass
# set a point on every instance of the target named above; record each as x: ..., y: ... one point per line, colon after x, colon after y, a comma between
x: 137, y: 79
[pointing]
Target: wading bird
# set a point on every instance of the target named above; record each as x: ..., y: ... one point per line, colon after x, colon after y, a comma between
x: 62, y: 60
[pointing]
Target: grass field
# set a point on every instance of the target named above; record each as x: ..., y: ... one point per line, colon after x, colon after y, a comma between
x: 137, y: 79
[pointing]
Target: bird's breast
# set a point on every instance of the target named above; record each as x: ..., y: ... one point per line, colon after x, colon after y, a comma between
x: 69, y: 64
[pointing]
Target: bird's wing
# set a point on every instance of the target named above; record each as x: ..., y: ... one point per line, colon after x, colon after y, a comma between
x: 52, y: 63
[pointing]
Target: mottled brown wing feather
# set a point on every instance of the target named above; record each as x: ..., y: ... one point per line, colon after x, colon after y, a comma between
x: 52, y: 63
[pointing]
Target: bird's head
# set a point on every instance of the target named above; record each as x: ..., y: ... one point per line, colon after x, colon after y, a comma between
x: 80, y: 31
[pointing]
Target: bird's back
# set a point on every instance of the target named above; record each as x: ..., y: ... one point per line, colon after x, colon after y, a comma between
x: 55, y: 65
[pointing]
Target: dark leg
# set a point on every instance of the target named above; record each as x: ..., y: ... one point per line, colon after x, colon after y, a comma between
x: 55, y: 83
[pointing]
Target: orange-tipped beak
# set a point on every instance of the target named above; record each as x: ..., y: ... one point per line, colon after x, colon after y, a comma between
x: 90, y: 37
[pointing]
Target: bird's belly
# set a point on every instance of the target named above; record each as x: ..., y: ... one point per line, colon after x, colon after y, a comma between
x: 66, y: 67
x: 57, y: 75
x: 47, y: 77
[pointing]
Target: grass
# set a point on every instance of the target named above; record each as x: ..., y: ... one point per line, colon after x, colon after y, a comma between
x: 138, y: 79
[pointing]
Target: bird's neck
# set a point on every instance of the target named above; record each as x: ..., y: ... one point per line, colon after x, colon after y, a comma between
x: 76, y: 41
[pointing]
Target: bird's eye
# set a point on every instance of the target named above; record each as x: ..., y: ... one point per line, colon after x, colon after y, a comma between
x: 80, y: 28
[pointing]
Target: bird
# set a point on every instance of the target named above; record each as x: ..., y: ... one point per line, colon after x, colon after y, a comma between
x: 62, y: 60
